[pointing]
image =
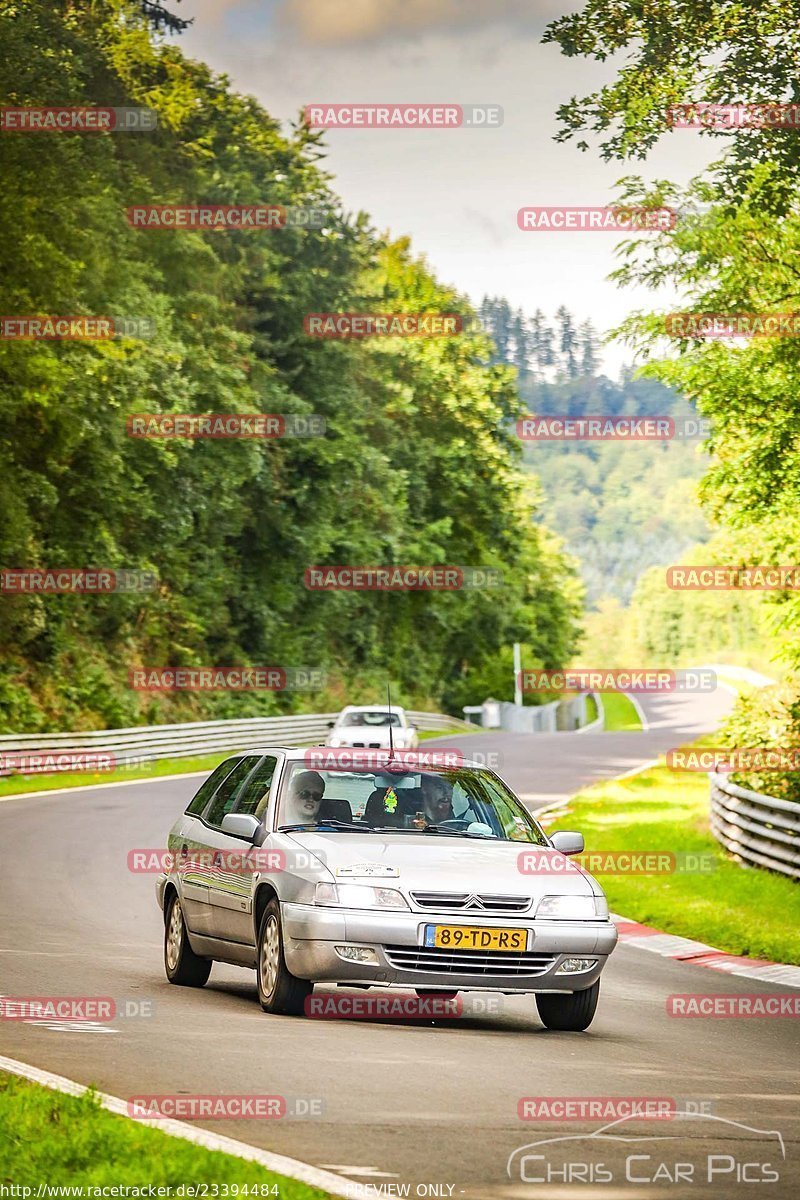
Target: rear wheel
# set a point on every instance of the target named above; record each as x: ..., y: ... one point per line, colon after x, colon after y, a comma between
x: 181, y: 964
x: 571, y: 1012
x: 278, y: 990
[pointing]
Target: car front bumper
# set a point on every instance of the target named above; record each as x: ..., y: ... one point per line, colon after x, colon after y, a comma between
x: 311, y: 934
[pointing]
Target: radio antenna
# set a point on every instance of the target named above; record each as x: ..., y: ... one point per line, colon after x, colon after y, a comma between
x: 391, y: 739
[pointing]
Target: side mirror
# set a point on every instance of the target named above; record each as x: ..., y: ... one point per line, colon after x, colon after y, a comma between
x: 331, y: 724
x: 567, y: 843
x: 243, y: 825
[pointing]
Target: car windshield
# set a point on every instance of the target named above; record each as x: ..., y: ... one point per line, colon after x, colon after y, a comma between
x: 371, y: 719
x: 462, y: 801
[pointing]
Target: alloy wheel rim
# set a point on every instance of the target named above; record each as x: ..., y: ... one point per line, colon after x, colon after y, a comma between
x: 174, y: 936
x: 270, y: 948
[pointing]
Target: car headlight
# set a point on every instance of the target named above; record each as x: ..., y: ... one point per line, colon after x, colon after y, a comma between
x: 335, y: 741
x: 572, y: 908
x: 356, y: 895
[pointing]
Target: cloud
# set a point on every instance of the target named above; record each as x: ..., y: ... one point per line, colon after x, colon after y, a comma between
x: 342, y: 21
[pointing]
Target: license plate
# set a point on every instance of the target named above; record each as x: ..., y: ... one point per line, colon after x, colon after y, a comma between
x: 468, y: 937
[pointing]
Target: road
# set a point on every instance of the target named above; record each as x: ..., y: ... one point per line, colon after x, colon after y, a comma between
x: 418, y: 1103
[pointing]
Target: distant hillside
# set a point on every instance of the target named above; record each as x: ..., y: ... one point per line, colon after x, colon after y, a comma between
x: 620, y: 507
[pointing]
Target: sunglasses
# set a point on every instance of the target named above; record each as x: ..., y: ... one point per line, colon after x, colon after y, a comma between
x: 307, y: 794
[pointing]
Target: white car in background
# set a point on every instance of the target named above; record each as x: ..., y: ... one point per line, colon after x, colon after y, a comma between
x: 368, y: 726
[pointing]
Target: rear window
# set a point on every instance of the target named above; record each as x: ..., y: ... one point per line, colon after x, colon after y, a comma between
x: 371, y: 720
x: 210, y: 785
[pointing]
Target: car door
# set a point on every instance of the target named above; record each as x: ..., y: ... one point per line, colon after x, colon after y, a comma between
x: 230, y: 879
x: 187, y: 842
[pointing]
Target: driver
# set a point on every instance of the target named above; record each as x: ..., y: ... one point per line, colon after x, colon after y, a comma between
x: 437, y: 799
x: 305, y: 796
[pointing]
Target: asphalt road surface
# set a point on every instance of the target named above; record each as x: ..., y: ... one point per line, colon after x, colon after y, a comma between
x: 418, y: 1103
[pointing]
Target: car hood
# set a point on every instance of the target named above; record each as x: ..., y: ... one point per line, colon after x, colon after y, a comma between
x: 430, y: 862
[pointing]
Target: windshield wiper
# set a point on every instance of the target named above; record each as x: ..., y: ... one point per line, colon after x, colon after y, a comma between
x: 325, y: 825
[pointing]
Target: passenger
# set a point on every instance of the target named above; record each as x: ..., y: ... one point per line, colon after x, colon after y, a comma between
x: 437, y: 799
x: 305, y: 797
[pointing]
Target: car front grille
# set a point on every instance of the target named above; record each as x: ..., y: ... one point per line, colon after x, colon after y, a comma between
x: 468, y: 902
x: 468, y: 962
x: 366, y: 745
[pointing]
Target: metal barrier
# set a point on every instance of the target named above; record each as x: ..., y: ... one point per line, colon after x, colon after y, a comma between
x: 558, y: 715
x: 761, y: 829
x: 144, y: 743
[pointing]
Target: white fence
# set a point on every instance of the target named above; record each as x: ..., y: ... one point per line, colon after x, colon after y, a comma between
x: 760, y: 829
x: 144, y: 743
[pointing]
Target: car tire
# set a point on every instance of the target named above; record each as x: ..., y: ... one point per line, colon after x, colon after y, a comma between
x: 573, y: 1012
x: 182, y: 965
x: 278, y: 990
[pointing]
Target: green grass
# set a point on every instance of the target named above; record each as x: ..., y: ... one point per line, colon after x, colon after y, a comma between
x: 733, y: 908
x: 13, y: 785
x: 51, y: 1138
x: 619, y: 712
x: 424, y: 734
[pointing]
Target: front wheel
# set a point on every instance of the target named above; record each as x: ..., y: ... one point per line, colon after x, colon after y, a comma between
x: 278, y: 990
x: 181, y: 964
x: 573, y: 1012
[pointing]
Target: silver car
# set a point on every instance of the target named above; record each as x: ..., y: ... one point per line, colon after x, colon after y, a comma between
x: 380, y: 874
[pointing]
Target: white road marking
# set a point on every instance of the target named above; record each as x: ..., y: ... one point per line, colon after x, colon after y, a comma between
x: 292, y: 1168
x: 95, y: 787
x: 372, y: 1172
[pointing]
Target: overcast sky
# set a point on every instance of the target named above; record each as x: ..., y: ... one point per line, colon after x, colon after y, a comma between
x: 455, y: 191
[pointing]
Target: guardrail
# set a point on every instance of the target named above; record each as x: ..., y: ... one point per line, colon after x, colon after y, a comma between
x: 144, y: 743
x: 760, y: 829
x: 557, y: 715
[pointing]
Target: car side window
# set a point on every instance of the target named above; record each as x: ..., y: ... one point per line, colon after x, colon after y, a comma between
x: 254, y: 796
x: 226, y: 793
x: 210, y: 785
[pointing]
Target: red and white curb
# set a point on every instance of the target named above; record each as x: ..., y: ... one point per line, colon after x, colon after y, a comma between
x: 682, y: 949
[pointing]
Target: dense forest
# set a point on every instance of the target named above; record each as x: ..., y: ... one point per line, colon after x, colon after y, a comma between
x: 738, y: 257
x: 418, y: 465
